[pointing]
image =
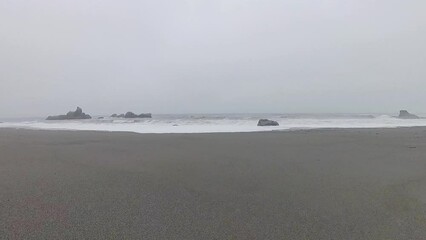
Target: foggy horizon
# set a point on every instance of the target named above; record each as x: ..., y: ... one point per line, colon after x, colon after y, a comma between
x: 93, y: 113
x: 234, y: 56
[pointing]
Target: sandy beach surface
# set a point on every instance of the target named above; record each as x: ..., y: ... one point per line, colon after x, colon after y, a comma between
x: 310, y: 184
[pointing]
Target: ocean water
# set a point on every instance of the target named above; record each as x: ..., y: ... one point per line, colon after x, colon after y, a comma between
x: 210, y: 123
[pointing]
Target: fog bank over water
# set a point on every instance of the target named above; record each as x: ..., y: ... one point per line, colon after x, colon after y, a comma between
x: 221, y: 56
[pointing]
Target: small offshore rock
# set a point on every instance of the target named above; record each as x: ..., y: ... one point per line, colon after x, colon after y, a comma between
x: 267, y: 122
x: 133, y: 115
x: 404, y: 114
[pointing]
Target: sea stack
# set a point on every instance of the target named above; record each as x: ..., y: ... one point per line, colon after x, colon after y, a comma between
x: 132, y: 115
x: 142, y: 115
x: 404, y: 114
x: 267, y: 122
x: 77, y: 114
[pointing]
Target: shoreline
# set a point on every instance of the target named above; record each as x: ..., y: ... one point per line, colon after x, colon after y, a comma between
x: 243, y: 132
x: 220, y: 124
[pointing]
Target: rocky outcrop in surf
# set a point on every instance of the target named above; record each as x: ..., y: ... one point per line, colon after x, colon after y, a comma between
x: 77, y: 114
x: 117, y: 115
x: 404, y: 114
x: 132, y: 115
x: 267, y: 122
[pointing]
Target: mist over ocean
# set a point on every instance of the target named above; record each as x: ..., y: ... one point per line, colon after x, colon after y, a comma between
x: 210, y: 123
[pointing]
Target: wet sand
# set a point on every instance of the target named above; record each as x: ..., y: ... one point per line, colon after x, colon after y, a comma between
x: 316, y: 184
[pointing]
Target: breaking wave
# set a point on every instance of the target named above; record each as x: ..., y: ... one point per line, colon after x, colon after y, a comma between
x: 219, y: 123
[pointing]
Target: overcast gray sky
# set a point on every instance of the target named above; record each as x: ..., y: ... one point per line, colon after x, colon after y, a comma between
x: 200, y: 56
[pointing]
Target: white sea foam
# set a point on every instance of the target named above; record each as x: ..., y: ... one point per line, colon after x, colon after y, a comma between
x: 219, y: 123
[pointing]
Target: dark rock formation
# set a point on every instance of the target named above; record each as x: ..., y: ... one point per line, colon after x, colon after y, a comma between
x: 132, y: 115
x: 267, y: 122
x: 77, y: 114
x: 145, y: 115
x: 404, y: 114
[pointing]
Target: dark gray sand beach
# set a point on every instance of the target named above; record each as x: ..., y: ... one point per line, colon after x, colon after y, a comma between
x: 317, y: 184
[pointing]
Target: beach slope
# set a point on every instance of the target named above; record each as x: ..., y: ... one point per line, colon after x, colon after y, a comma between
x: 317, y: 184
